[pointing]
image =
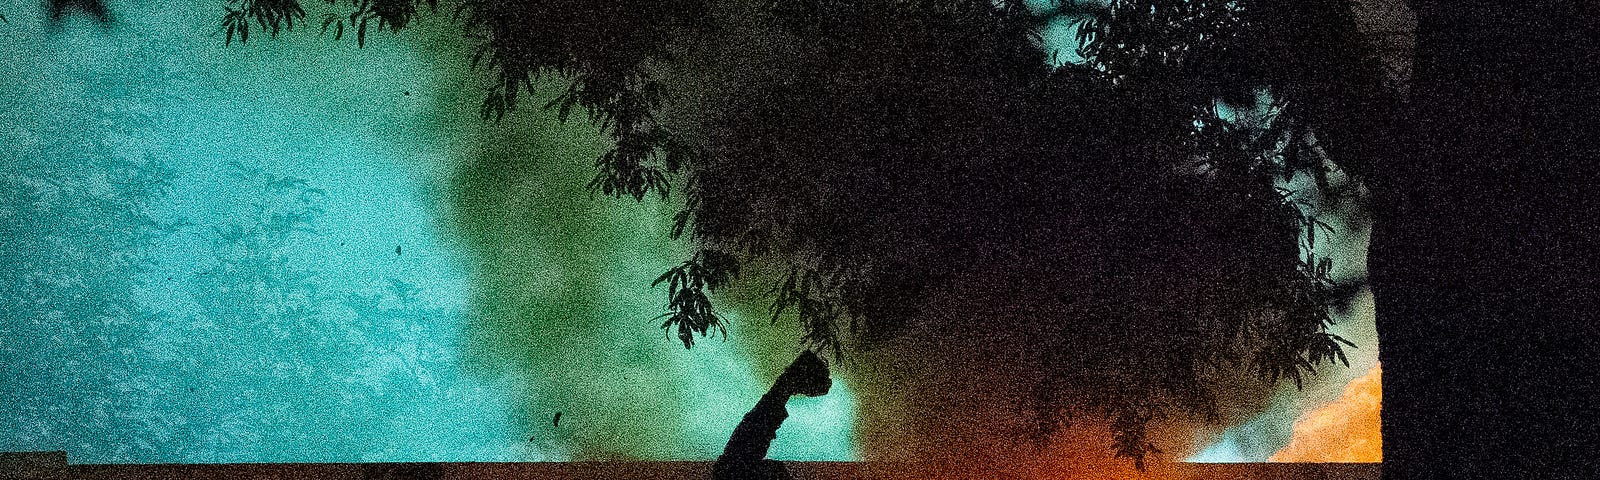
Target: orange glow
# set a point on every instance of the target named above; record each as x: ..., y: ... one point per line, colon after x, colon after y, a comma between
x: 1085, y: 453
x: 1346, y: 430
x: 1081, y: 453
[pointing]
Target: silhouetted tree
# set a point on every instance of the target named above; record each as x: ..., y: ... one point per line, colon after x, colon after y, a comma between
x: 868, y: 156
x: 1479, y: 243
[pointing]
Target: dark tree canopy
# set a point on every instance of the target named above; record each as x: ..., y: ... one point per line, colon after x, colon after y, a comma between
x: 875, y: 153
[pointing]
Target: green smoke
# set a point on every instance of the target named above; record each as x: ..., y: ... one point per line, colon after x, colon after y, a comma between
x: 562, y: 310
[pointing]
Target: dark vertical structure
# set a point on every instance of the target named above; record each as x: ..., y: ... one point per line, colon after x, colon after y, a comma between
x: 1484, y: 229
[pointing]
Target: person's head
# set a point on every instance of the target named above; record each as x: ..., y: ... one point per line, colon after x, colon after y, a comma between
x: 808, y: 375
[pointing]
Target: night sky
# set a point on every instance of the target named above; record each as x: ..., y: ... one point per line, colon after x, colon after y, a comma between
x: 295, y: 250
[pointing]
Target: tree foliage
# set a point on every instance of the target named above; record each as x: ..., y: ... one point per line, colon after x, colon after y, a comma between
x: 877, y: 152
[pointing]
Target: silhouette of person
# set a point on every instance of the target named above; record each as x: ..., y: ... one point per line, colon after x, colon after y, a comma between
x: 745, y: 457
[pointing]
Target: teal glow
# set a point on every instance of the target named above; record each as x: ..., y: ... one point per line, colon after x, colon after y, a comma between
x: 1224, y: 450
x: 297, y: 251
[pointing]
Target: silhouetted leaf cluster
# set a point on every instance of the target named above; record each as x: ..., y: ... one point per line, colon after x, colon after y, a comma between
x: 826, y: 159
x: 605, y: 50
x: 392, y: 15
x: 269, y: 15
x: 274, y: 16
x: 688, y: 286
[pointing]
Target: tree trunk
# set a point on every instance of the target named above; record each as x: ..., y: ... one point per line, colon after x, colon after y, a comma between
x: 1482, y: 229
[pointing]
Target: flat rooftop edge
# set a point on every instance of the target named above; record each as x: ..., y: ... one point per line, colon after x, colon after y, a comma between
x: 54, y: 466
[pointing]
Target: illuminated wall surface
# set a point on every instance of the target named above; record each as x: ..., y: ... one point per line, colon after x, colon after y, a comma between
x: 298, y: 251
